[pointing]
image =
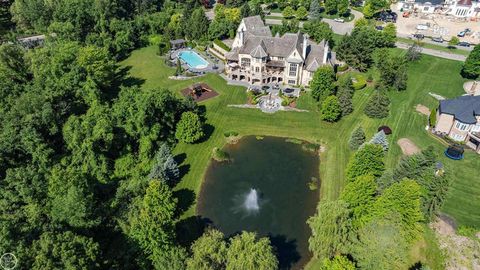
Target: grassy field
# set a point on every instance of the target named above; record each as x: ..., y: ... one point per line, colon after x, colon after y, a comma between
x: 430, y: 74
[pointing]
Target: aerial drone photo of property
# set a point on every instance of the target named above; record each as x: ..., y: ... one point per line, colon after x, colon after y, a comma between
x: 240, y: 134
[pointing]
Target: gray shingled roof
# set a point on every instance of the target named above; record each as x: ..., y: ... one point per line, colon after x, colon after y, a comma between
x: 314, y: 55
x: 256, y: 27
x: 464, y: 108
x: 274, y: 46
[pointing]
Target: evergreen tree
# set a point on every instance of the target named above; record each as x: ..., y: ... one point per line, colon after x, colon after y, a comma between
x: 377, y: 106
x: 357, y: 138
x: 165, y: 167
x: 345, y: 95
x: 314, y: 13
x: 245, y: 10
x: 198, y: 24
x: 380, y: 138
x: 367, y: 160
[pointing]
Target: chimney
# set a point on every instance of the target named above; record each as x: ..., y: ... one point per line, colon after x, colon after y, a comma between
x: 304, y: 51
x: 242, y: 37
x: 326, y: 51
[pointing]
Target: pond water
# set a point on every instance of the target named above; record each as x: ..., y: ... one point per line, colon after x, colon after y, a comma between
x: 264, y: 188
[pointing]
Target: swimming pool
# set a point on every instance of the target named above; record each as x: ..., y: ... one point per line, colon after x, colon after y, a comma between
x: 193, y: 60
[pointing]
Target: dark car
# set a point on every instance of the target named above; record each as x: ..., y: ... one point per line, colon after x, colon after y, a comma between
x: 437, y: 39
x: 387, y: 16
x: 464, y: 44
x: 419, y: 36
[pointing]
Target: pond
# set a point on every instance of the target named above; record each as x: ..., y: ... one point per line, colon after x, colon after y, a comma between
x: 264, y: 188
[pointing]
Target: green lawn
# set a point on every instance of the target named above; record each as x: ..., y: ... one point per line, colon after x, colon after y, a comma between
x: 430, y: 74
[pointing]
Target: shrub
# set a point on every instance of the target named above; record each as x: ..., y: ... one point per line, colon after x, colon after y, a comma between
x: 342, y: 68
x: 359, y: 83
x: 230, y: 133
x: 385, y: 129
x: 219, y: 155
x: 466, y: 231
x: 189, y: 128
x: 331, y: 110
x: 313, y: 184
x: 311, y: 147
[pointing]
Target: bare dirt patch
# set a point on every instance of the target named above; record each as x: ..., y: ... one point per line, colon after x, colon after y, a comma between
x: 460, y: 252
x: 422, y: 109
x: 408, y: 147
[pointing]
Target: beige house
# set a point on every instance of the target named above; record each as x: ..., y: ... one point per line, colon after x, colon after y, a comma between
x: 257, y: 57
x: 459, y: 119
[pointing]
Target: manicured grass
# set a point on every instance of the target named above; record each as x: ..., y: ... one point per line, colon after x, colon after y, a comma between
x: 430, y: 74
x: 435, y: 47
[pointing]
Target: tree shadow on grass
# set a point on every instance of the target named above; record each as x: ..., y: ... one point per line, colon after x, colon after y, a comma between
x: 208, y: 130
x: 190, y: 229
x: 287, y: 252
x: 186, y: 198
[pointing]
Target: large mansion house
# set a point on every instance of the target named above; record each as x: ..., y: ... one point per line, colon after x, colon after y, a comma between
x: 257, y: 57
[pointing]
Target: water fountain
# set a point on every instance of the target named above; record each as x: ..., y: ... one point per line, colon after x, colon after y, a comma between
x: 251, y: 201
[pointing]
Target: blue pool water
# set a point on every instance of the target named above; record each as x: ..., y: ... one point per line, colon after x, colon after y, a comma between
x: 193, y: 60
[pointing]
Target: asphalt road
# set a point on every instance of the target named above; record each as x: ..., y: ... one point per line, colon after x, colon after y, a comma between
x: 442, y: 54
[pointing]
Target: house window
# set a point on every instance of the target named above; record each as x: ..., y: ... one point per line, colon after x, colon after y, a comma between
x: 458, y: 137
x: 245, y: 62
x: 293, y: 70
x: 292, y: 82
x: 257, y: 69
x: 476, y: 128
x: 280, y: 58
x: 461, y: 126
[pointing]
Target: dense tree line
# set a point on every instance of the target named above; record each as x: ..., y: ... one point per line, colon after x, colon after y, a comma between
x: 379, y: 214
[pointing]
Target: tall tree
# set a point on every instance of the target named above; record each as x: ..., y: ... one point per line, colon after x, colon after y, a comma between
x: 198, y: 24
x: 357, y: 138
x: 246, y: 251
x: 209, y: 252
x: 189, y: 128
x: 152, y: 225
x: 345, y: 95
x: 471, y: 66
x: 381, y: 245
x: 330, y: 229
x: 360, y: 194
x: 314, y: 13
x: 323, y: 83
x: 338, y: 262
x: 165, y: 167
x: 318, y: 30
x: 65, y: 250
x: 367, y: 160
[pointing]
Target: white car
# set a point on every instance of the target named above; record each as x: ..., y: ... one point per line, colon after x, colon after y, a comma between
x: 339, y: 20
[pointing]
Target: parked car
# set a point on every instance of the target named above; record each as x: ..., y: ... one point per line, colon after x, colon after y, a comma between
x: 461, y: 34
x: 340, y: 20
x: 437, y: 39
x: 464, y: 44
x: 422, y: 27
x: 418, y: 36
x: 387, y: 16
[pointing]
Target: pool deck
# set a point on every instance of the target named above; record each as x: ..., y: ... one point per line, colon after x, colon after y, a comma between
x: 213, y: 67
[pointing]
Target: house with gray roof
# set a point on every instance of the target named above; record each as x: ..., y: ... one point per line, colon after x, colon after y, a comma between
x: 258, y: 57
x: 459, y: 119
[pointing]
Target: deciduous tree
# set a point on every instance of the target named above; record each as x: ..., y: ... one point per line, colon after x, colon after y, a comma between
x: 323, y: 83
x: 367, y: 160
x: 331, y: 110
x: 189, y: 128
x: 246, y: 251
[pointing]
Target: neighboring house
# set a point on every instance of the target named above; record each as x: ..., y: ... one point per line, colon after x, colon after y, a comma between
x: 257, y: 57
x: 459, y: 119
x: 456, y: 8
